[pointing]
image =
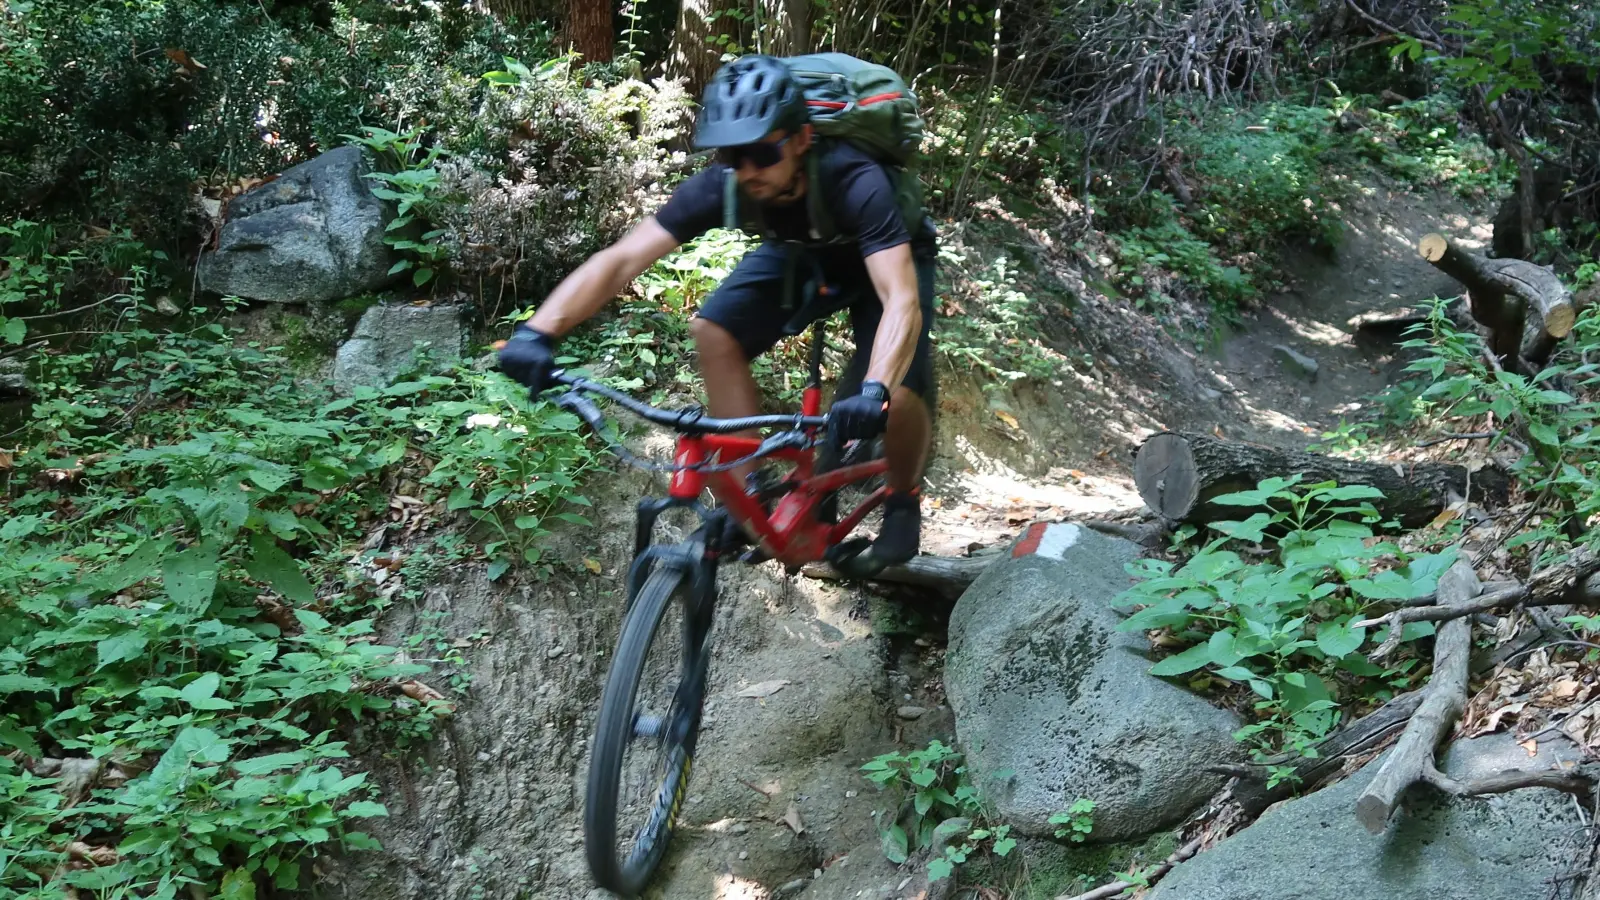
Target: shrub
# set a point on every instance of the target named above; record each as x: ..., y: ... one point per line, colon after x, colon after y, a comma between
x: 112, y: 112
x: 550, y: 169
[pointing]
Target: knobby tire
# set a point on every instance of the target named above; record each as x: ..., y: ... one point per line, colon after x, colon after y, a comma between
x: 628, y: 873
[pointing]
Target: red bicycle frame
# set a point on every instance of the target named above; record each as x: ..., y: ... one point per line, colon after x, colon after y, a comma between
x: 792, y: 533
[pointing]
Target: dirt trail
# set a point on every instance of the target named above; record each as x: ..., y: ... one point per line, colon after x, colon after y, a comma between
x: 495, y: 810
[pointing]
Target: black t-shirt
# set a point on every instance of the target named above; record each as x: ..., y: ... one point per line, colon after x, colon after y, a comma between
x: 858, y: 194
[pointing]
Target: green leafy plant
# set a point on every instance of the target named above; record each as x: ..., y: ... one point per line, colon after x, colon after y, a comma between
x: 1553, y: 411
x: 932, y: 783
x: 1077, y: 822
x: 930, y: 787
x: 413, y: 186
x: 175, y: 612
x: 1284, y: 626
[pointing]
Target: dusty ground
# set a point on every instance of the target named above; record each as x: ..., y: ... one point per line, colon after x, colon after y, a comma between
x: 494, y: 811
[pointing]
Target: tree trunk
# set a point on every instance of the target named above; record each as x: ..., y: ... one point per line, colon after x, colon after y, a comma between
x: 1502, y: 293
x: 589, y: 29
x: 1179, y: 474
x: 785, y: 27
x: 695, y: 54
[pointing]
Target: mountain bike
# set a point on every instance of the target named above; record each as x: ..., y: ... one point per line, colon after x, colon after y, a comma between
x: 653, y: 704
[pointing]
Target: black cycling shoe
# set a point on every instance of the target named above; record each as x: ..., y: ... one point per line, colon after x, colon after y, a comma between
x: 896, y: 543
x: 901, y: 534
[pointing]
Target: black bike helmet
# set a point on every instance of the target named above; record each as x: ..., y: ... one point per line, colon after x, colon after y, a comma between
x: 746, y: 100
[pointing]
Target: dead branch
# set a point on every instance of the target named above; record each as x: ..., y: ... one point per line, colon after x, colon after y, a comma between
x: 1483, y: 603
x: 1361, y: 736
x: 1385, y: 27
x: 1116, y: 888
x: 1579, y: 780
x: 1443, y: 700
x: 1572, y: 582
x: 1471, y: 436
x: 1151, y: 534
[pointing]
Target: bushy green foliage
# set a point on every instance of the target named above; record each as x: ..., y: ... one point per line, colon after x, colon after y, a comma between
x: 550, y: 168
x: 1283, y: 625
x: 1262, y: 173
x: 979, y: 147
x: 114, y: 110
x: 175, y: 517
x: 990, y: 323
x: 1553, y: 412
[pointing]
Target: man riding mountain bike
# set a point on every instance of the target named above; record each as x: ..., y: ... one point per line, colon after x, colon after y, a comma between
x: 839, y: 233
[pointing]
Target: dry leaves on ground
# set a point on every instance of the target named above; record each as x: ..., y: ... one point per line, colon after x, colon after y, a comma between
x: 1540, y: 694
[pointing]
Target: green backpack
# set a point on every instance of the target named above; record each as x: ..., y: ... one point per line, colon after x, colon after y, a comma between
x: 862, y: 103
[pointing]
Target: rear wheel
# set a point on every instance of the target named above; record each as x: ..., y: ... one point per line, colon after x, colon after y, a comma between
x: 644, y: 742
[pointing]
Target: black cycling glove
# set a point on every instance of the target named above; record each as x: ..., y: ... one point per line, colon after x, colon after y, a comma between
x: 529, y: 357
x: 861, y: 417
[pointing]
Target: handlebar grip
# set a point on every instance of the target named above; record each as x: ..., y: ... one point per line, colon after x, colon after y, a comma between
x: 583, y: 407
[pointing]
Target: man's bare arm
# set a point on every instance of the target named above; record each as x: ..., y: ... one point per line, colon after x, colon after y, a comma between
x: 894, y: 276
x: 602, y: 276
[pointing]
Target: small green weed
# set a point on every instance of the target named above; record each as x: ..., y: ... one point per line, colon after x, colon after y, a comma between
x: 1077, y: 822
x: 929, y: 787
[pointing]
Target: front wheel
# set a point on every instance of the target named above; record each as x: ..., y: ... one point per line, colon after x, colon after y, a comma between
x: 644, y: 742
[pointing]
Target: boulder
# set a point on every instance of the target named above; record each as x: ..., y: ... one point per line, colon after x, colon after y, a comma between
x: 1436, y: 848
x: 14, y: 378
x: 313, y: 234
x: 383, y: 344
x: 1052, y: 703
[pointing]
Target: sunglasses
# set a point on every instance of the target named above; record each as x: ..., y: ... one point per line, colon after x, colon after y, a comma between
x: 762, y: 155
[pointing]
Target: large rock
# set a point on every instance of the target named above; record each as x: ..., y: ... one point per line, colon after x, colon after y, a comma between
x: 14, y: 378
x: 383, y: 344
x: 313, y: 234
x: 1044, y: 687
x: 1436, y: 848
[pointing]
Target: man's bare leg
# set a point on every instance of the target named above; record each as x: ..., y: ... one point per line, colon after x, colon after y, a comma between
x: 731, y: 390
x: 906, y: 442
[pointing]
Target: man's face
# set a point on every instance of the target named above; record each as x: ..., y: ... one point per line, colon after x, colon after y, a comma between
x: 767, y: 170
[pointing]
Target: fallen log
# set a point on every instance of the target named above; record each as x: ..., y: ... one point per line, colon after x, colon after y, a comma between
x: 1392, y: 324
x: 1363, y: 735
x: 1502, y: 293
x: 1178, y: 475
x: 1445, y: 696
x: 950, y: 575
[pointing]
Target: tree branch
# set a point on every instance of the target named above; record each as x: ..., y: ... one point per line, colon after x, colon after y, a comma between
x: 1116, y: 888
x: 1384, y: 26
x: 1442, y: 703
x: 1580, y: 780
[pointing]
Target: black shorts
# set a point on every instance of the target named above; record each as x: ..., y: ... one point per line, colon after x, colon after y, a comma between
x: 749, y: 305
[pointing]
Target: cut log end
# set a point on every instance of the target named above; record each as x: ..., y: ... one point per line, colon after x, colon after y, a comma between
x: 1166, y: 475
x: 1373, y: 814
x: 1433, y: 246
x: 1559, y: 320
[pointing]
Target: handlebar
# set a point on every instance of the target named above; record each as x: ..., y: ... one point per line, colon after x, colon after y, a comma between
x: 686, y: 421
